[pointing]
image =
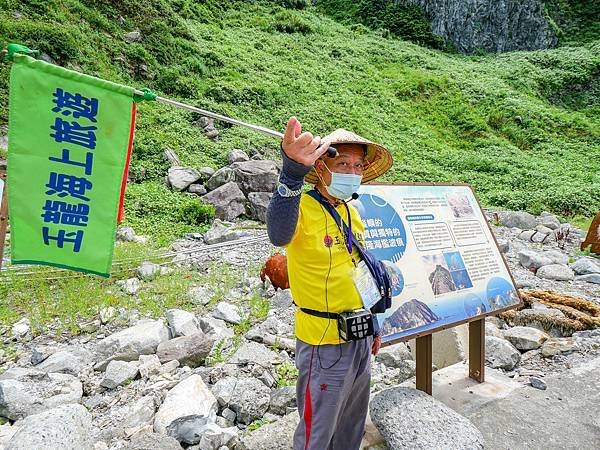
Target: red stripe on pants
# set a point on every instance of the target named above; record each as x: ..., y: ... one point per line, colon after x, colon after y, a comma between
x: 308, y: 404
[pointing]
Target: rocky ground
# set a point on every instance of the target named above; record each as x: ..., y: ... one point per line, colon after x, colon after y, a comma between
x: 223, y: 378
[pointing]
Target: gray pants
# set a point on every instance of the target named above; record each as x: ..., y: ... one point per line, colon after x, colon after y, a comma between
x: 333, y: 394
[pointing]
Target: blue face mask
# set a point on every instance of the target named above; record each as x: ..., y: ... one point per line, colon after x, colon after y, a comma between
x: 343, y: 185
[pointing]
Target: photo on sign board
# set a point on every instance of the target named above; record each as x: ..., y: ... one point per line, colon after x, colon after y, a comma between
x: 460, y: 205
x: 438, y: 274
x: 500, y: 293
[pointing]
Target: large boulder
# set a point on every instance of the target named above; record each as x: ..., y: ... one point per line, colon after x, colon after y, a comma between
x: 408, y: 418
x: 189, y: 350
x: 586, y: 266
x: 518, y: 219
x: 64, y: 362
x: 256, y: 175
x: 501, y: 354
x: 118, y: 373
x: 557, y: 272
x: 532, y: 260
x: 237, y: 155
x: 259, y: 202
x: 182, y: 323
x: 66, y: 427
x: 28, y: 391
x: 221, y: 232
x: 222, y: 176
x: 189, y: 398
x: 254, y: 353
x: 247, y: 397
x: 282, y: 399
x: 130, y: 343
x: 229, y: 201
x: 525, y: 338
x: 180, y: 178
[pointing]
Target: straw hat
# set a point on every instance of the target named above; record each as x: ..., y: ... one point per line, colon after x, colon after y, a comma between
x: 378, y: 158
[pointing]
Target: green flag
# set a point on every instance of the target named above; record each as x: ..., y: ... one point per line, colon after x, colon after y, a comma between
x: 69, y: 136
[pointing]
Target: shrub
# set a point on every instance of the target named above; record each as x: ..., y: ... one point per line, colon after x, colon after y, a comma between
x: 194, y: 212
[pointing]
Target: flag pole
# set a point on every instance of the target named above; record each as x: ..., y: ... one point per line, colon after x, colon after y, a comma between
x: 263, y: 130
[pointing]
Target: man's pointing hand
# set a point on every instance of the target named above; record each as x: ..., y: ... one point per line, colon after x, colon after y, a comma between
x: 304, y: 148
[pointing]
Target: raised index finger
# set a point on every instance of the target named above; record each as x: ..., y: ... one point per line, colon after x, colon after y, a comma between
x: 292, y: 131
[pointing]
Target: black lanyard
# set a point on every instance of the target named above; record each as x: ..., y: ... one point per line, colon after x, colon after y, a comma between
x: 346, y: 231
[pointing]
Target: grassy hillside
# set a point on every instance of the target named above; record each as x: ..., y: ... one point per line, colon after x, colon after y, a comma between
x: 523, y: 128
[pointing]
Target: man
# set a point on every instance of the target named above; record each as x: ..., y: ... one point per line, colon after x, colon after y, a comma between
x: 334, y: 376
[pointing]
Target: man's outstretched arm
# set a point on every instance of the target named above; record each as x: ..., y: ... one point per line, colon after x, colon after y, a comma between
x: 299, y: 153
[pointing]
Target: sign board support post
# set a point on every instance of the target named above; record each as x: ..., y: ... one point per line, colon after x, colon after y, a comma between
x: 3, y: 217
x: 477, y: 350
x: 423, y: 355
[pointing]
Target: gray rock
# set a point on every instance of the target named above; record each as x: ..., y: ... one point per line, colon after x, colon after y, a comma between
x: 532, y: 260
x: 130, y: 286
x: 206, y: 173
x: 556, y: 256
x: 557, y: 272
x: 282, y: 299
x: 236, y: 155
x: 148, y: 271
x: 282, y: 399
x: 140, y: 413
x: 63, y: 362
x: 118, y: 373
x: 553, y: 347
x: 549, y: 220
x: 518, y: 219
x: 212, y: 134
x: 503, y: 245
x: 394, y: 356
x: 256, y: 176
x: 190, y: 397
x: 197, y: 189
x: 182, y: 323
x: 66, y: 427
x: 543, y: 229
x: 222, y: 176
x: 538, y: 383
x: 133, y: 36
x: 148, y: 365
x: 153, y: 441
x: 490, y: 26
x: 28, y: 391
x: 21, y: 328
x: 39, y: 354
x: 404, y: 417
x: 200, y: 295
x: 525, y: 338
x: 273, y: 436
x: 227, y: 312
x: 206, y: 123
x: 589, y: 278
x: 247, y: 397
x: 189, y: 350
x: 229, y: 201
x: 216, y: 328
x: 125, y: 234
x: 215, y: 437
x: 501, y: 354
x: 107, y: 314
x: 254, y: 353
x: 180, y: 178
x: 258, y: 203
x: 585, y: 266
x: 220, y: 232
x: 130, y: 343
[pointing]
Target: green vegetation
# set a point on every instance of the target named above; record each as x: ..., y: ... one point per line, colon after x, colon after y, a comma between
x: 287, y: 373
x: 519, y: 127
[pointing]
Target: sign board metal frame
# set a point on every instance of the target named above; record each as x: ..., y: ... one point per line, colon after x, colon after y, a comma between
x: 423, y: 340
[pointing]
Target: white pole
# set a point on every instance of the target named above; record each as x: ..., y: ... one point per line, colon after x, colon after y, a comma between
x: 263, y: 130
